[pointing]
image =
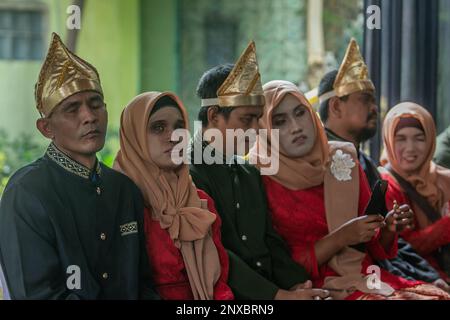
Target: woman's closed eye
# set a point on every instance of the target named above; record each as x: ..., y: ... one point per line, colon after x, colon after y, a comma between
x: 420, y: 138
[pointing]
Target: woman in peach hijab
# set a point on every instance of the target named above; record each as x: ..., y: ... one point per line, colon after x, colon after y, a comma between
x: 318, y: 200
x: 409, y: 136
x: 182, y: 228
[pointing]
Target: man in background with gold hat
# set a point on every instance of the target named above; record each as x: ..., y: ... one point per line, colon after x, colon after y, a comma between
x: 260, y: 263
x: 349, y: 112
x: 71, y: 228
x: 348, y: 106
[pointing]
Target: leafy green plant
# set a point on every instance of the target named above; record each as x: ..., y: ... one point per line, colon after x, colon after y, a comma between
x: 112, y: 145
x: 16, y: 153
x: 24, y: 149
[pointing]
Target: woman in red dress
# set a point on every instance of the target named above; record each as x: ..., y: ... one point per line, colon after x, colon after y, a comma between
x: 318, y: 199
x: 182, y: 228
x: 409, y: 136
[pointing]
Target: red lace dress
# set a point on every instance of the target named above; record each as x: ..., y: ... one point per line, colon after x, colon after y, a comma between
x: 299, y: 217
x: 426, y: 238
x: 167, y: 265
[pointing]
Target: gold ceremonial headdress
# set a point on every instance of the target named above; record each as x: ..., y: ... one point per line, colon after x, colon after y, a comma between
x: 62, y: 75
x: 353, y: 75
x: 243, y: 85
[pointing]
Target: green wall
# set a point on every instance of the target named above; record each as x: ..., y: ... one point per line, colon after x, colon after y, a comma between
x: 109, y: 39
x: 159, y: 52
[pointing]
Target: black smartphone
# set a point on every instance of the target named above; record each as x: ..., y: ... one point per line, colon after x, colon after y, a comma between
x: 376, y: 205
x: 377, y: 202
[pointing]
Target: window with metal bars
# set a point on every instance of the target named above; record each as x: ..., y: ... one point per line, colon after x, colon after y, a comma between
x: 21, y: 34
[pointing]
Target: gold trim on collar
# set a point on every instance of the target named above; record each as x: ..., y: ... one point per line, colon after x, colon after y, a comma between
x: 70, y: 165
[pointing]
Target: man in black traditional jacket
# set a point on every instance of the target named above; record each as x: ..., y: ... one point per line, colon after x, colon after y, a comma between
x: 71, y: 228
